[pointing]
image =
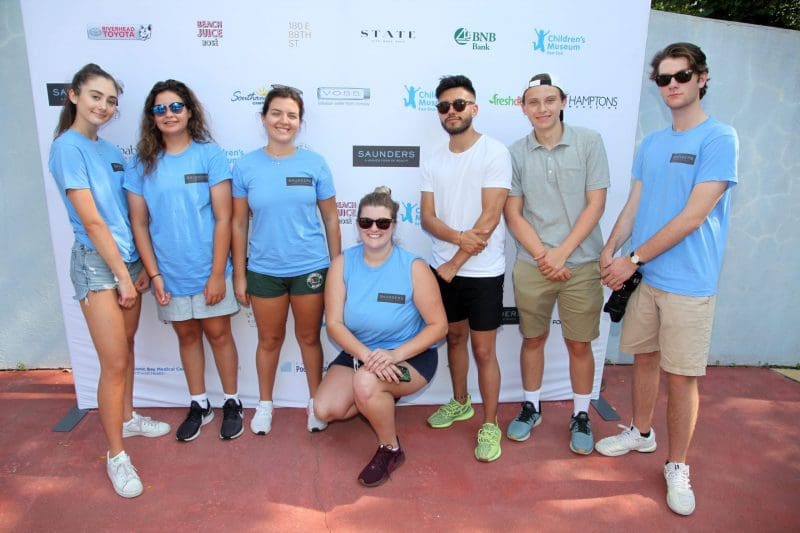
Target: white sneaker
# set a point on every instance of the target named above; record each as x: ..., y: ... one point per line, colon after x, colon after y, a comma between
x: 144, y: 426
x: 629, y: 440
x: 123, y: 475
x: 261, y: 424
x: 314, y: 423
x: 680, y: 496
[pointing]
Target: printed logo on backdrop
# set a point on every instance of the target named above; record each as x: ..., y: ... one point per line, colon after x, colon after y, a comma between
x: 209, y: 32
x: 343, y: 96
x: 419, y: 98
x: 233, y: 155
x: 505, y: 101
x: 157, y: 370
x: 477, y: 40
x: 297, y: 367
x: 254, y: 97
x: 128, y: 151
x: 119, y: 32
x: 299, y: 32
x: 388, y: 36
x: 385, y: 156
x: 57, y: 94
x: 557, y: 44
x: 347, y: 210
x: 509, y: 315
x: 592, y: 102
x: 409, y: 213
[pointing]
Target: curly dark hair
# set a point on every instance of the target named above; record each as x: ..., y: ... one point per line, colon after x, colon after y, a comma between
x: 151, y: 141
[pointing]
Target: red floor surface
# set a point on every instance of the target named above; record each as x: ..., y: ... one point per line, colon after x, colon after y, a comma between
x: 744, y: 462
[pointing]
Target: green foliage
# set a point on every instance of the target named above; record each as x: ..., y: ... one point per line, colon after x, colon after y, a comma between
x: 776, y: 13
x: 21, y: 365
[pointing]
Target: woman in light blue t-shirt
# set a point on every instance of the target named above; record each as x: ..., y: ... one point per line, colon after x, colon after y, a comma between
x: 284, y: 260
x: 179, y: 192
x: 105, y: 268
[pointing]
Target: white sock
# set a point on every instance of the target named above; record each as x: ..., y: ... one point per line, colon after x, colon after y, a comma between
x: 201, y: 399
x: 116, y: 457
x: 533, y: 397
x: 265, y: 404
x: 580, y: 402
x: 235, y: 396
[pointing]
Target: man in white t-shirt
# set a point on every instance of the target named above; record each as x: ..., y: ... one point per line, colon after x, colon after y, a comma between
x: 464, y: 188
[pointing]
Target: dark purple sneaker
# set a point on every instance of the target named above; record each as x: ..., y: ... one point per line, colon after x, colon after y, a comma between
x: 384, y: 462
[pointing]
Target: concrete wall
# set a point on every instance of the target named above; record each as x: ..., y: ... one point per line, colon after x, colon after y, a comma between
x: 755, y: 80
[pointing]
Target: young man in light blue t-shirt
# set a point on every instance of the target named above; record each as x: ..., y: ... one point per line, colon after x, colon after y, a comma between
x: 677, y: 217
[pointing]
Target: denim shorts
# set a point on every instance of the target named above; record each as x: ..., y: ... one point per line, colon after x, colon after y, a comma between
x: 89, y: 272
x: 182, y: 308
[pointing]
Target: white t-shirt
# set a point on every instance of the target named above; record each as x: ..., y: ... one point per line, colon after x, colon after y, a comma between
x: 456, y: 181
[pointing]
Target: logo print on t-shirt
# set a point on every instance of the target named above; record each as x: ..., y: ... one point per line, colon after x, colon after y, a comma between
x: 117, y: 167
x: 195, y: 178
x: 299, y: 181
x: 390, y: 298
x: 686, y: 159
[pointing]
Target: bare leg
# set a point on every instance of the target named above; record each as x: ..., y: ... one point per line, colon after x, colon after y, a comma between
x: 131, y: 318
x: 682, y: 407
x: 270, y: 315
x: 334, y: 399
x: 458, y: 358
x: 646, y: 374
x: 218, y: 333
x: 190, y: 345
x: 531, y: 362
x: 307, y: 312
x: 485, y: 352
x: 581, y: 366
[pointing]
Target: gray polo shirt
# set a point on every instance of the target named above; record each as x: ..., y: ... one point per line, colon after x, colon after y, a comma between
x: 553, y: 184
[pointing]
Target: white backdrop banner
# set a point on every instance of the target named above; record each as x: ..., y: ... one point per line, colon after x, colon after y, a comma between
x: 368, y: 71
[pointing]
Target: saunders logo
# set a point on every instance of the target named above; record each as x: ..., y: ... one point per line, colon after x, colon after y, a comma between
x: 478, y: 39
x: 57, y: 94
x: 385, y: 156
x: 123, y: 32
x: 557, y: 44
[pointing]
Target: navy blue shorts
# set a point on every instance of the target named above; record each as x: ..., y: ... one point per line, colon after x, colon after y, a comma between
x: 424, y: 363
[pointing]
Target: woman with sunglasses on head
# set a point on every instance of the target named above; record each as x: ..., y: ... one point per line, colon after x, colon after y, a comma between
x: 105, y: 268
x: 286, y: 259
x: 384, y: 309
x: 179, y: 194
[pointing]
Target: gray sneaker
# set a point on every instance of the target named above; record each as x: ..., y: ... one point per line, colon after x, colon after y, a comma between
x: 520, y: 428
x: 628, y: 441
x: 581, y: 440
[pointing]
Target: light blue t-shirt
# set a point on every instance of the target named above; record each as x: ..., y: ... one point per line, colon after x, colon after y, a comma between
x: 669, y: 165
x: 379, y: 304
x: 77, y: 162
x: 178, y: 197
x: 286, y: 238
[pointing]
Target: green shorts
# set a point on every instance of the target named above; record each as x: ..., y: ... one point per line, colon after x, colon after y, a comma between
x: 266, y: 286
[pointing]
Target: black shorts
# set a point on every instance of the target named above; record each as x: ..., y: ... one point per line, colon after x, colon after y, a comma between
x: 478, y: 300
x: 425, y: 363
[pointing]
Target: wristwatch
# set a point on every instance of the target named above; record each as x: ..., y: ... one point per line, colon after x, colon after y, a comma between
x: 635, y: 259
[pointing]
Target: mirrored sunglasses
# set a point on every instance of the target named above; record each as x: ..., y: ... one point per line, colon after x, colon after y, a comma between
x: 160, y: 110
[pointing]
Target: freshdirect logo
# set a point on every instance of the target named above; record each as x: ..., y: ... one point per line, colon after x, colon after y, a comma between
x: 557, y: 44
x: 120, y: 32
x: 419, y: 98
x: 343, y: 96
x: 505, y: 100
x: 479, y: 39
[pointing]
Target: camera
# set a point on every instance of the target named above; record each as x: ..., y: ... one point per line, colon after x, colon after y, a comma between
x: 615, y: 306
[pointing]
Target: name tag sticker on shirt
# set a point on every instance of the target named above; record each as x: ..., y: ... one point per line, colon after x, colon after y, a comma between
x: 686, y: 159
x: 195, y: 178
x: 299, y: 181
x: 391, y: 298
x: 117, y: 167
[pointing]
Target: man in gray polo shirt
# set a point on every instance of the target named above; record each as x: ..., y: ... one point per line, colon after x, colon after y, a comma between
x: 558, y: 194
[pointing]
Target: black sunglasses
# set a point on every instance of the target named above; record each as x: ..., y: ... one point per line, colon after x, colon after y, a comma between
x: 160, y: 110
x: 682, y: 76
x: 366, y: 222
x: 459, y: 105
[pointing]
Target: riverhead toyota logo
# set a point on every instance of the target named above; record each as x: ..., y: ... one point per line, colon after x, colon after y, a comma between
x: 120, y: 32
x: 385, y: 156
x: 557, y: 44
x: 388, y: 36
x: 479, y: 40
x: 343, y: 96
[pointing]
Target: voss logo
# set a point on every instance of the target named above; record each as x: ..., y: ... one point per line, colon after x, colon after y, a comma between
x: 342, y: 93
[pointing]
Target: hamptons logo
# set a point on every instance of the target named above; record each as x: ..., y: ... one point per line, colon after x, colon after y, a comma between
x: 419, y: 98
x: 557, y: 44
x: 478, y: 39
x: 121, y: 32
x: 385, y: 156
x: 343, y: 96
x: 592, y: 102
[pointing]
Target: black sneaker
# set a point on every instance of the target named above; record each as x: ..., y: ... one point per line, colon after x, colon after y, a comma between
x: 197, y: 417
x: 384, y: 462
x: 232, y: 416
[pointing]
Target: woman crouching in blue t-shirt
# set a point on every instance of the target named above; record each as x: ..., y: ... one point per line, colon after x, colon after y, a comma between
x: 382, y: 307
x: 286, y: 258
x: 105, y: 268
x: 179, y: 192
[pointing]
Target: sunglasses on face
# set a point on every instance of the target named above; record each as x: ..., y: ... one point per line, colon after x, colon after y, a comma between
x: 366, y: 222
x: 682, y: 76
x: 459, y: 105
x: 160, y: 110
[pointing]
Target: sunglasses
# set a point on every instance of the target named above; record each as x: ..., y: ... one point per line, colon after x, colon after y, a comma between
x: 366, y: 223
x: 682, y: 76
x: 459, y: 105
x: 160, y: 110
x: 286, y: 88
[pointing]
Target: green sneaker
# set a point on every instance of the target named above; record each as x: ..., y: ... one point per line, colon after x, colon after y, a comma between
x: 488, y: 448
x: 451, y: 412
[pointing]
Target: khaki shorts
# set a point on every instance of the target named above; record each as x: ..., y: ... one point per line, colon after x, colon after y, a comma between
x: 676, y: 325
x: 580, y: 300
